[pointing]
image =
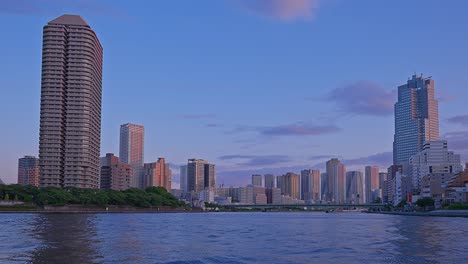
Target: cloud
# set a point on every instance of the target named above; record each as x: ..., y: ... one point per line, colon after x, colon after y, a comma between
x: 214, y: 125
x: 294, y: 129
x: 363, y: 98
x: 298, y: 130
x: 257, y: 160
x: 52, y: 7
x: 460, y: 119
x: 457, y: 140
x: 384, y: 159
x: 284, y: 10
x: 445, y: 97
x: 321, y: 157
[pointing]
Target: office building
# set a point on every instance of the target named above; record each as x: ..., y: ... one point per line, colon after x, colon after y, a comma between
x: 183, y: 178
x: 289, y: 185
x: 257, y: 180
x: 157, y: 174
x: 200, y: 175
x: 354, y: 187
x: 71, y: 94
x: 310, y: 185
x: 28, y: 171
x: 246, y: 195
x: 416, y: 119
x: 269, y: 181
x: 273, y: 196
x: 323, y: 185
x: 115, y: 175
x: 131, y: 150
x: 372, y: 182
x: 434, y: 158
x: 336, y: 182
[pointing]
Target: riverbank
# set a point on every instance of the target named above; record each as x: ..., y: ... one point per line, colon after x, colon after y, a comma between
x: 438, y: 213
x: 79, y: 209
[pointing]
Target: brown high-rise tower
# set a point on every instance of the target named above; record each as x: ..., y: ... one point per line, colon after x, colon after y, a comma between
x: 71, y: 91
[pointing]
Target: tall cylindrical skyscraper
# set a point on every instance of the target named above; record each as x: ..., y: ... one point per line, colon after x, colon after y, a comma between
x: 71, y: 92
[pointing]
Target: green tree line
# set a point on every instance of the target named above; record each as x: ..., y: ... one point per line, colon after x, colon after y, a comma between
x: 151, y: 196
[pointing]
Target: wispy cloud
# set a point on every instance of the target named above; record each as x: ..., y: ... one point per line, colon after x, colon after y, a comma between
x: 383, y: 159
x: 257, y: 160
x: 298, y: 130
x: 457, y: 140
x: 284, y: 10
x: 321, y: 157
x: 294, y: 129
x: 214, y: 125
x: 363, y: 98
x: 460, y: 119
x: 52, y: 7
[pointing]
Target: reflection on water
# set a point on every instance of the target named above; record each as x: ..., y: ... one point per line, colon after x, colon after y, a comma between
x: 65, y: 238
x: 231, y: 238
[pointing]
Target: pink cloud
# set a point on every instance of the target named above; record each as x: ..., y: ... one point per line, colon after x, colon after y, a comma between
x: 285, y: 10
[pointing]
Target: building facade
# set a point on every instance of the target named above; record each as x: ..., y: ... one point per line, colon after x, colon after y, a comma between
x: 131, y: 150
x: 372, y: 182
x: 289, y: 185
x: 269, y: 181
x: 336, y: 182
x: 354, y: 187
x: 28, y: 171
x: 183, y: 178
x: 200, y: 175
x: 310, y: 185
x: 157, y: 174
x: 257, y: 180
x: 71, y: 94
x: 416, y: 119
x: 434, y: 158
x: 115, y: 175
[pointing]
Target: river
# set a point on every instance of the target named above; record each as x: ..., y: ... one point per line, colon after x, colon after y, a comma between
x: 232, y: 238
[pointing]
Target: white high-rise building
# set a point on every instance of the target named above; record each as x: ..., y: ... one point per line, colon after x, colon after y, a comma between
x: 434, y: 158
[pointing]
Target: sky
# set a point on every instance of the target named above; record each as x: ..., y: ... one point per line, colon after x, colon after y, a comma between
x: 253, y: 86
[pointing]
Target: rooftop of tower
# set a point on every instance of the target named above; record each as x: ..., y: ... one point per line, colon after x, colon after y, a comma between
x: 67, y: 19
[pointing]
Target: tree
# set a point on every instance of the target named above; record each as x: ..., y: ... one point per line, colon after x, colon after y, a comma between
x: 402, y: 203
x: 7, y: 197
x: 424, y: 202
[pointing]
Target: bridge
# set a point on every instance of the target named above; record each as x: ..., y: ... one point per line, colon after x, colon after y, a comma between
x: 324, y: 207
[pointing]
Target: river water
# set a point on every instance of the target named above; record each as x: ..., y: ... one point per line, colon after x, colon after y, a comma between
x: 232, y: 238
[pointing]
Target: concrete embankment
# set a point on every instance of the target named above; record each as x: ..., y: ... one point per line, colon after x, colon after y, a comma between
x: 78, y: 209
x: 438, y: 213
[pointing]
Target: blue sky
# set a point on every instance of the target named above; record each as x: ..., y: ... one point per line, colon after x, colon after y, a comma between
x: 252, y: 86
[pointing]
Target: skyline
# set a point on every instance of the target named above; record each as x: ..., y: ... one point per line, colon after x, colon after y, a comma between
x: 291, y: 130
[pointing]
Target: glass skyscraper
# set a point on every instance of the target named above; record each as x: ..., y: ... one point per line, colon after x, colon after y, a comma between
x: 416, y: 119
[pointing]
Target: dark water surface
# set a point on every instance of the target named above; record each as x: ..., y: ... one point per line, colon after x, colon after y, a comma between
x: 232, y: 238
